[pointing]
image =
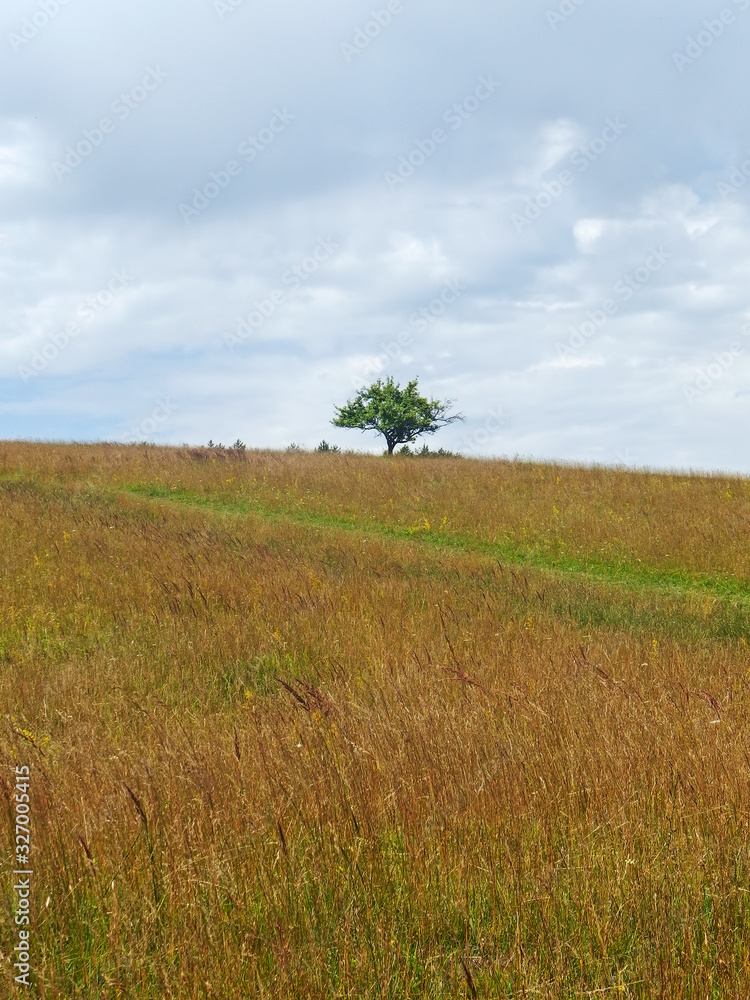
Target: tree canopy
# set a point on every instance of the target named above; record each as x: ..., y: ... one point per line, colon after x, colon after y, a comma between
x: 400, y: 415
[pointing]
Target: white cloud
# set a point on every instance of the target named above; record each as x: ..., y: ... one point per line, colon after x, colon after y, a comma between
x: 587, y: 233
x: 654, y: 191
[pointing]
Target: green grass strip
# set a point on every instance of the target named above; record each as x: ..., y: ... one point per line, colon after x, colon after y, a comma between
x: 626, y: 574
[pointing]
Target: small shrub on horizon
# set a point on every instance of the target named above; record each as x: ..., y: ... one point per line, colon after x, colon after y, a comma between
x: 424, y: 452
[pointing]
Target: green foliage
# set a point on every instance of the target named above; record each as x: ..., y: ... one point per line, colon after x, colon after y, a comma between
x: 424, y: 452
x: 235, y: 450
x: 400, y: 415
x: 325, y: 446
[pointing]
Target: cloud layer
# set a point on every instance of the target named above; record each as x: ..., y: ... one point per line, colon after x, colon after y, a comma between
x: 219, y: 218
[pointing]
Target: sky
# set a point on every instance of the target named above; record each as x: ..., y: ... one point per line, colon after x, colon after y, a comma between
x: 221, y: 218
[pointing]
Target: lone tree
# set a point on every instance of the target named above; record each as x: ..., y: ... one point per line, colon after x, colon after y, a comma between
x: 400, y: 415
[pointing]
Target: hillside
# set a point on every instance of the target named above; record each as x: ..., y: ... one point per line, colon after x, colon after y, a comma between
x: 321, y: 725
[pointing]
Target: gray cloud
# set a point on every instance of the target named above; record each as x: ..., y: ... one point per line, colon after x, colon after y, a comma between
x: 360, y: 96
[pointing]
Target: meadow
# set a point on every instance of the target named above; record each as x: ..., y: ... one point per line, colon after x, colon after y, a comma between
x: 333, y: 726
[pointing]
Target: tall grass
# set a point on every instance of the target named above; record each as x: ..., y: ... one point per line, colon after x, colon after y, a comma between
x: 286, y: 742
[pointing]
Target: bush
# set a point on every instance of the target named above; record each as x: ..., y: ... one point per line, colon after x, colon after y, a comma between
x: 325, y: 446
x: 237, y: 450
x: 424, y: 452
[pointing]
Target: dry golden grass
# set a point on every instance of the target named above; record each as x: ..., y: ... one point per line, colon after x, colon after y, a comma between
x: 306, y: 726
x: 669, y: 521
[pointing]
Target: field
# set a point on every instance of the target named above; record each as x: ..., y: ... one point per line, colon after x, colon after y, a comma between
x: 326, y: 726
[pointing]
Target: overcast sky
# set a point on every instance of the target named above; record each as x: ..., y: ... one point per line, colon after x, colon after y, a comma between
x: 218, y: 219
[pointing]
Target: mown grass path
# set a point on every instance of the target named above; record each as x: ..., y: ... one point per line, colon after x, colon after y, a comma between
x: 633, y: 576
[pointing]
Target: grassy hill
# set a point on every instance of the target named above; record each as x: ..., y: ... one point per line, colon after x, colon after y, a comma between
x: 326, y: 726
